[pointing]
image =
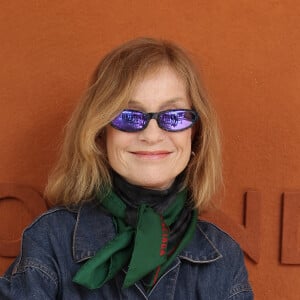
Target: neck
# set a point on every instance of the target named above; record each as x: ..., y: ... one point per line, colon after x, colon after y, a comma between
x: 134, y: 195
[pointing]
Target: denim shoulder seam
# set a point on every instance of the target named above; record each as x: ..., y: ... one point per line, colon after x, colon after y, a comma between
x: 21, y: 260
x: 4, y: 277
x: 50, y: 212
x: 30, y: 264
x: 217, y: 228
x: 38, y: 219
x: 240, y: 288
x: 208, y: 239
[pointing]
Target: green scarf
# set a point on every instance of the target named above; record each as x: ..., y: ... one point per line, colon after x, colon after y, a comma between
x: 144, y: 248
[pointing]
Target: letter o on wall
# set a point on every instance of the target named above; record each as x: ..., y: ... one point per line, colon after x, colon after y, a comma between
x: 19, y: 205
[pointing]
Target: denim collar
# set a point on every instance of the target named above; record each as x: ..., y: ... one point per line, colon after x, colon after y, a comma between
x: 94, y: 228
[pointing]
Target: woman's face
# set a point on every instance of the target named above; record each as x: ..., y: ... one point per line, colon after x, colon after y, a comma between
x: 152, y: 158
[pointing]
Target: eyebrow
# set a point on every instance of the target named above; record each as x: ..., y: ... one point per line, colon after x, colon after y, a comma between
x: 166, y: 104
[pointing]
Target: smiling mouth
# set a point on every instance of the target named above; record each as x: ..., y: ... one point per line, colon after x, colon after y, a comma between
x: 151, y: 154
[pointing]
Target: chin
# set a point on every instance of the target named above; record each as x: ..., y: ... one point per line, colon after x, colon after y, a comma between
x: 156, y: 185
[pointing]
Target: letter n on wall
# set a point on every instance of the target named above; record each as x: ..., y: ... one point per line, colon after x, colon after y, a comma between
x: 249, y: 234
x: 290, y: 246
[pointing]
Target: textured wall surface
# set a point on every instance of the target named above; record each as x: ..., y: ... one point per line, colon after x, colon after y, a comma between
x: 249, y: 56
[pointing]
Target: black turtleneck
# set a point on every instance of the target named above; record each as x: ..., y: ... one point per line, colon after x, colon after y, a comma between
x: 159, y: 200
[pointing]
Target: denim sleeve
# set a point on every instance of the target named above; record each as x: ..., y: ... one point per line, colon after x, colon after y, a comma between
x: 241, y: 289
x: 33, y: 274
x: 30, y: 281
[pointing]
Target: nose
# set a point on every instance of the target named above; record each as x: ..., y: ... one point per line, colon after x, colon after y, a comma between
x: 152, y: 133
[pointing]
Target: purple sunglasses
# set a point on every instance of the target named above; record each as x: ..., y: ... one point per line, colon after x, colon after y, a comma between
x: 170, y: 120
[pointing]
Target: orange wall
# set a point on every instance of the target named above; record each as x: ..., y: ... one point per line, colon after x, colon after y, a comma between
x: 249, y: 54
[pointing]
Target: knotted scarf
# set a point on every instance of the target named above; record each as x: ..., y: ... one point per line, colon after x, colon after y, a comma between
x: 144, y: 246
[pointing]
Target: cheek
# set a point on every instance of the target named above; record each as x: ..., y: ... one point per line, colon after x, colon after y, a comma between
x: 116, y: 144
x: 111, y: 145
x: 184, y: 141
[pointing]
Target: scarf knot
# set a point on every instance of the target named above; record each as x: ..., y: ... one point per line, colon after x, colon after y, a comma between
x: 142, y: 243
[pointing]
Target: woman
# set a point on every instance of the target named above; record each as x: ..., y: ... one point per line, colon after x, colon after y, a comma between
x: 140, y: 161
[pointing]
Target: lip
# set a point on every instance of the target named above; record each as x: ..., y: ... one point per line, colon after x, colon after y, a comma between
x: 159, y: 154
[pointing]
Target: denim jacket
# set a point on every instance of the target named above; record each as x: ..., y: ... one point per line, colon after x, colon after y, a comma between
x: 55, y: 246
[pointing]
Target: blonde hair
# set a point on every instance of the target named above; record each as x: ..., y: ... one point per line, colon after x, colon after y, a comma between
x: 83, y: 167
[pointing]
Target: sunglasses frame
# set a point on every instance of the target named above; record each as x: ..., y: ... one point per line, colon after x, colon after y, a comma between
x: 156, y: 115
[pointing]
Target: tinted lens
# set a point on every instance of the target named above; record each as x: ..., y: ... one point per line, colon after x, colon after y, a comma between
x: 177, y: 120
x: 130, y: 121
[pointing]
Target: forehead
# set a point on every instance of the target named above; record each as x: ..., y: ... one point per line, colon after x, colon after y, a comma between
x: 158, y: 88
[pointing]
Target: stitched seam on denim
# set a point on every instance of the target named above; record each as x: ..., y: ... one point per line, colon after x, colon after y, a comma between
x: 211, y: 243
x: 75, y: 233
x: 30, y: 264
x: 186, y: 258
x: 5, y: 278
x: 142, y: 292
x: 175, y: 266
x: 174, y: 283
x: 87, y: 254
x: 52, y: 211
x: 218, y: 228
x: 20, y: 257
x: 240, y: 288
x: 49, y: 212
